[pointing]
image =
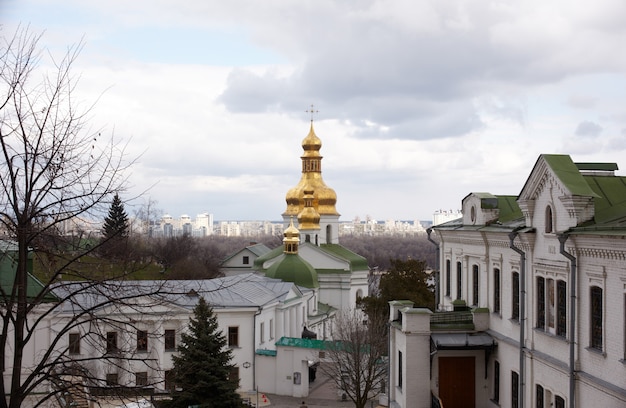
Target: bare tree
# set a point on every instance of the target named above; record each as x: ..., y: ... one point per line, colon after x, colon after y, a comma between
x: 357, y: 356
x: 53, y: 169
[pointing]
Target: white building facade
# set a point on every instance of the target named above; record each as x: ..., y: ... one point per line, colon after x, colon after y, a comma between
x: 532, y: 298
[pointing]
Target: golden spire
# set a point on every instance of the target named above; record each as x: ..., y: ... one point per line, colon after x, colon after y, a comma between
x: 324, y: 197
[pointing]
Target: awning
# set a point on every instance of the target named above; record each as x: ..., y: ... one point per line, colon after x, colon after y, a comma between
x: 462, y: 341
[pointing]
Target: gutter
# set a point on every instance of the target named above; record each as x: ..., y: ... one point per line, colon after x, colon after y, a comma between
x: 522, y: 314
x: 437, y: 271
x: 572, y: 318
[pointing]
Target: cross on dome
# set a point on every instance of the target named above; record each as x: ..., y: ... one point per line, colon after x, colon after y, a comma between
x: 312, y: 111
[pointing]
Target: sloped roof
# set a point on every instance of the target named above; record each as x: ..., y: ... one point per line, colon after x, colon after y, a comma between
x: 594, y: 180
x: 355, y: 261
x: 569, y: 174
x: 8, y: 270
x: 256, y: 249
x: 245, y: 290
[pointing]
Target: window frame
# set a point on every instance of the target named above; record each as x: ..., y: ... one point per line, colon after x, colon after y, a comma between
x: 497, y: 291
x: 475, y: 284
x: 448, y: 276
x: 596, y: 315
x: 496, y: 381
x: 73, y: 347
x: 399, y: 369
x: 141, y: 379
x: 112, y: 379
x: 541, y: 303
x: 549, y: 220
x: 514, y: 389
x: 246, y: 260
x: 539, y: 396
x: 169, y: 339
x: 515, y: 295
x: 142, y: 341
x: 233, y: 336
x: 459, y: 280
x: 559, y: 402
x: 111, y: 342
x: 561, y: 308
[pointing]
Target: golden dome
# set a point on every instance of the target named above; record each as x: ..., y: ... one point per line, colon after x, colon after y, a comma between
x: 308, y: 219
x: 324, y: 197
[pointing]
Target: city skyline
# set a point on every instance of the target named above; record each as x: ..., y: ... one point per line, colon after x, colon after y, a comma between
x: 415, y: 101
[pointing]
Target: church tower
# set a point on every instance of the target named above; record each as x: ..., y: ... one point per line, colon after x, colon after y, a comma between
x: 312, y: 201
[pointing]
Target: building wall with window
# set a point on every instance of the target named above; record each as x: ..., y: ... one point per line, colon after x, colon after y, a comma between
x: 136, y: 350
x: 551, y: 263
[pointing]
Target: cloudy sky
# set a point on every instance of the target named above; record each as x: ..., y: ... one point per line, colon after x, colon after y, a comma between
x: 420, y: 102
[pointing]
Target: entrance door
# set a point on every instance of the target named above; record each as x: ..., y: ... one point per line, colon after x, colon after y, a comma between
x: 457, y: 386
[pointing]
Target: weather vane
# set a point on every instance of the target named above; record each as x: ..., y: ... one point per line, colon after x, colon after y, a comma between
x: 312, y: 111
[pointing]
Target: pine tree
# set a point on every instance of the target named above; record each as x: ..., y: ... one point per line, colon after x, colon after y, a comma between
x: 204, y: 365
x: 116, y: 222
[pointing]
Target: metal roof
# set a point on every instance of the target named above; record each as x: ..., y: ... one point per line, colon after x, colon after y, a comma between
x: 245, y: 290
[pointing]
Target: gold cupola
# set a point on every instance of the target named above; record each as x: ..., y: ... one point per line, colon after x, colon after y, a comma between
x: 324, y: 197
x: 308, y: 218
x: 291, y: 239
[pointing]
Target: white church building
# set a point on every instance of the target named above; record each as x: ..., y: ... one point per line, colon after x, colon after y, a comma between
x: 275, y: 308
x: 531, y: 299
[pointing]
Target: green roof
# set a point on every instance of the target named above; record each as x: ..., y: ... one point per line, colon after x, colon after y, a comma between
x: 569, y: 174
x: 509, y: 209
x: 258, y: 263
x: 610, y: 199
x: 292, y: 268
x: 301, y: 343
x: 356, y: 261
x: 8, y: 270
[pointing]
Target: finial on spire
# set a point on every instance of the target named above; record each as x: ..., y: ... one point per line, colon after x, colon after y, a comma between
x: 312, y: 111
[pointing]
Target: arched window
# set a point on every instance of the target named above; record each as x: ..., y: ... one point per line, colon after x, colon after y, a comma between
x: 549, y: 225
x: 329, y: 234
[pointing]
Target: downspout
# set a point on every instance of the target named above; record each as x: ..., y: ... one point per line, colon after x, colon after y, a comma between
x: 258, y: 312
x: 522, y: 315
x: 572, y: 319
x: 437, y: 271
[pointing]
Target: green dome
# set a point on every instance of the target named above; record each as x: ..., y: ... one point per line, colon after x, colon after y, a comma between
x: 292, y: 268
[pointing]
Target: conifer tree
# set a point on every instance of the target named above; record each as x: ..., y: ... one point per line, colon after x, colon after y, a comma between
x: 203, y: 366
x: 116, y: 222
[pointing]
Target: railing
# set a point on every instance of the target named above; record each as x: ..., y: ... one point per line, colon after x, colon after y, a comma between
x: 435, y: 401
x: 452, y: 318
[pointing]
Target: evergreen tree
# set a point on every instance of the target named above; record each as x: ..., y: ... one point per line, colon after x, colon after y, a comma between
x: 203, y: 365
x: 116, y: 222
x: 405, y: 280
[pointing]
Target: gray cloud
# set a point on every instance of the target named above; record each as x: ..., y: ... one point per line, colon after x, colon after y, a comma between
x: 355, y: 62
x: 588, y: 128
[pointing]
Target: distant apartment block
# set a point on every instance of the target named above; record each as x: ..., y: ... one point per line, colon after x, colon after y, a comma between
x: 443, y: 216
x: 201, y: 226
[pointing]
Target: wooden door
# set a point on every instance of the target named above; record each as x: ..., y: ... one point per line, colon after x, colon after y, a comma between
x: 457, y: 383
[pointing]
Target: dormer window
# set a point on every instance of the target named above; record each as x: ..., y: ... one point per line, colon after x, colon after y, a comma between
x: 549, y: 226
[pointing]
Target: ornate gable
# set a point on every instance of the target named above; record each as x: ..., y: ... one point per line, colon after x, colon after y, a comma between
x: 557, y: 193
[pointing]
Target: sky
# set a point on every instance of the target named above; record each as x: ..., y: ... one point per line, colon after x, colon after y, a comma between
x: 417, y: 102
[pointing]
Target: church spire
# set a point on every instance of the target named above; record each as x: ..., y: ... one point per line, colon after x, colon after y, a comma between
x: 324, y: 197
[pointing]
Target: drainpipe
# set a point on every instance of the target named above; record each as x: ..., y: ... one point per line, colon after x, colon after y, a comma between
x: 258, y: 312
x: 572, y: 319
x: 437, y: 272
x: 522, y: 314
